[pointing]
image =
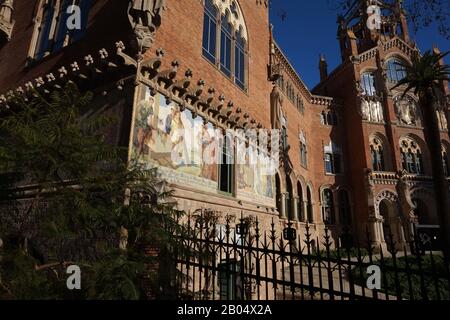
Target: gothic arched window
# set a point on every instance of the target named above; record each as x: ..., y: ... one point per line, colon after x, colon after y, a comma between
x: 368, y: 84
x: 239, y: 60
x: 210, y: 31
x: 53, y: 31
x: 309, y: 206
x: 226, y: 31
x: 225, y: 40
x: 377, y: 152
x: 395, y: 70
x: 289, y: 199
x: 327, y: 207
x: 300, y: 210
x: 411, y: 156
x: 278, y: 193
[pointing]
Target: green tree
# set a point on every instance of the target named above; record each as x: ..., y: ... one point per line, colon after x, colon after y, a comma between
x: 424, y: 77
x: 68, y: 197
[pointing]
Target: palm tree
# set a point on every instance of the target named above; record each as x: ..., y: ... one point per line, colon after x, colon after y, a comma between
x: 424, y: 77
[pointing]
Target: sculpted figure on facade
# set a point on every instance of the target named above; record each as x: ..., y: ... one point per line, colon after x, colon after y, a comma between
x: 404, y: 194
x: 406, y: 109
x: 276, y: 102
x: 145, y: 17
x: 442, y: 119
x: 372, y: 110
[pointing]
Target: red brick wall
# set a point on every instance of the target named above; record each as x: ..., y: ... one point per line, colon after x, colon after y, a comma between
x: 101, y: 33
x: 181, y: 34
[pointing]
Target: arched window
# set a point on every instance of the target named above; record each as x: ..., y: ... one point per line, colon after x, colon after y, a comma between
x: 239, y: 60
x: 223, y: 22
x: 309, y: 206
x: 278, y: 193
x: 368, y: 84
x: 226, y: 32
x: 289, y: 199
x: 411, y: 156
x: 300, y: 105
x: 395, y: 70
x: 345, y: 215
x: 226, y: 167
x: 209, y: 31
x: 377, y: 152
x: 327, y: 207
x: 332, y: 163
x: 53, y: 32
x: 300, y: 208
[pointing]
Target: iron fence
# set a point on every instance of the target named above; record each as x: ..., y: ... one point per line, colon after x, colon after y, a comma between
x: 242, y: 262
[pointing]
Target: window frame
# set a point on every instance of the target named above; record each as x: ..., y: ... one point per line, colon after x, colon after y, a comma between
x: 238, y: 51
x: 368, y: 84
x: 55, y: 37
x: 394, y: 71
x: 328, y: 207
x: 227, y: 153
x: 334, y: 161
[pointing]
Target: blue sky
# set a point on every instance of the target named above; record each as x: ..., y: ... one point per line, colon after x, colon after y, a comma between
x: 309, y: 29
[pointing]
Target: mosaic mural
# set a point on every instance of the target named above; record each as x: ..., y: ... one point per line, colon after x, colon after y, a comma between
x: 185, y: 148
x: 175, y: 142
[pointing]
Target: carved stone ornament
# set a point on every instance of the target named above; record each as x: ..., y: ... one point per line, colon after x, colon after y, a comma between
x: 407, y: 111
x: 145, y: 18
x: 371, y: 110
x: 6, y: 20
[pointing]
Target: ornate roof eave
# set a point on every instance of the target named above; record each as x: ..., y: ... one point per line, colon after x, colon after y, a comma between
x: 192, y: 94
x: 313, y: 99
x: 280, y: 54
x: 91, y: 68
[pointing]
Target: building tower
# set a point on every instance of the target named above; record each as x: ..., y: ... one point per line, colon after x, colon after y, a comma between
x: 390, y: 167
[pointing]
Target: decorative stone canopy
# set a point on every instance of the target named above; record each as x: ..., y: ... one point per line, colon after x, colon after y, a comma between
x: 6, y: 20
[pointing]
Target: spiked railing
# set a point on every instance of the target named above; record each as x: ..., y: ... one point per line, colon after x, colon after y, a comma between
x: 239, y: 260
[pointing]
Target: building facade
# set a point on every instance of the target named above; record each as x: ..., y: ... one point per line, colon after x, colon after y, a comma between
x: 352, y: 152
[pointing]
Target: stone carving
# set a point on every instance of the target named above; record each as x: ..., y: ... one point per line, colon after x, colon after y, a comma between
x: 372, y: 110
x: 276, y: 101
x: 386, y: 195
x: 6, y: 20
x: 145, y: 17
x: 442, y: 119
x: 404, y: 192
x: 406, y: 110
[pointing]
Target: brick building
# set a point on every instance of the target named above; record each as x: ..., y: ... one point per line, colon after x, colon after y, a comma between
x: 213, y: 64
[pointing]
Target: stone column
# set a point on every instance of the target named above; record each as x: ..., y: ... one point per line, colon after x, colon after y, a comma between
x: 401, y: 233
x: 283, y: 206
x: 296, y: 212
x: 376, y: 231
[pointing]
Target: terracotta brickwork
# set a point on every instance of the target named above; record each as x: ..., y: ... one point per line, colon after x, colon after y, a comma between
x: 327, y: 122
